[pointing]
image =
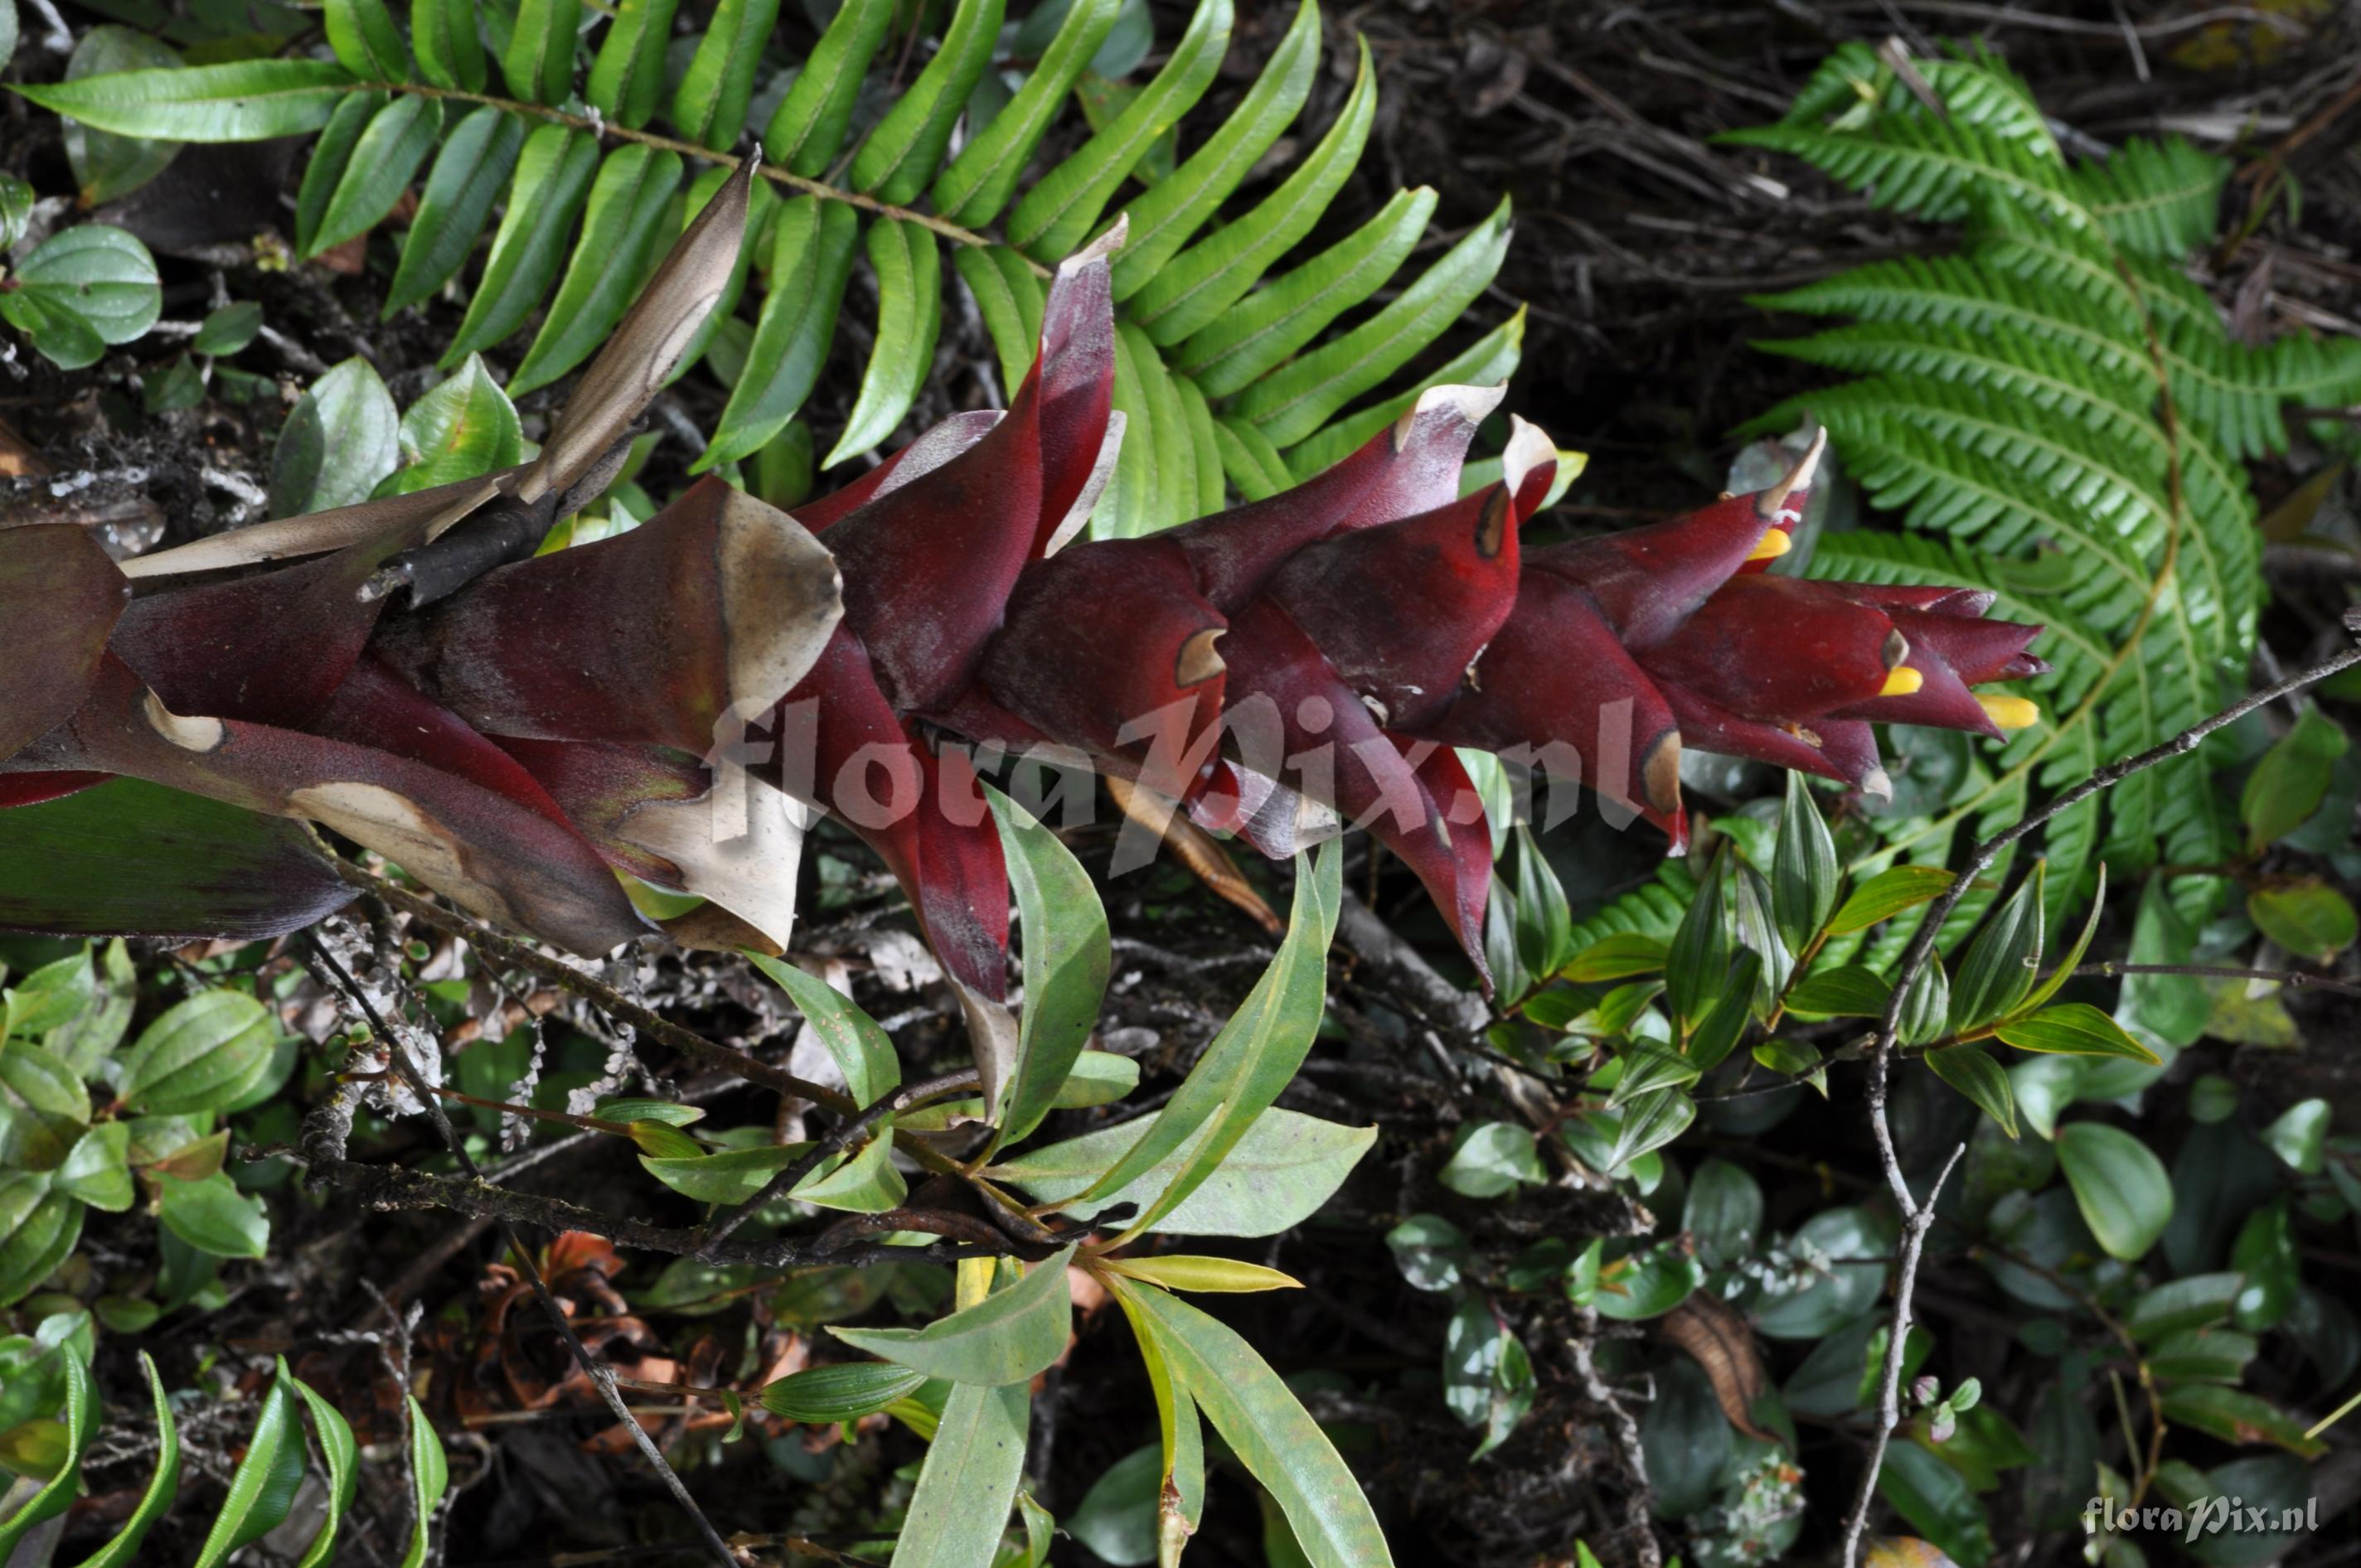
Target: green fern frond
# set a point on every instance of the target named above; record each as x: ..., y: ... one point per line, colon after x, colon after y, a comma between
x: 1932, y: 169
x: 1234, y: 376
x: 2154, y: 198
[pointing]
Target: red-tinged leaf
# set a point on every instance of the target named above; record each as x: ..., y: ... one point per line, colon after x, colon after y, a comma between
x: 31, y: 789
x: 1976, y: 650
x: 1779, y: 650
x: 375, y: 708
x: 1710, y: 727
x: 66, y: 596
x: 1412, y: 467
x: 649, y: 637
x: 503, y: 861
x: 129, y: 858
x: 937, y: 445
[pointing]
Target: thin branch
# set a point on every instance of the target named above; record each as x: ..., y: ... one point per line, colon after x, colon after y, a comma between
x: 2294, y: 980
x: 602, y: 1377
x: 848, y: 1131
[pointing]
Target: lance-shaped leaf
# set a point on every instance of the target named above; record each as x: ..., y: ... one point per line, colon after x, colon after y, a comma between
x: 959, y: 1506
x: 123, y: 1549
x: 461, y: 189
x: 1067, y: 958
x: 621, y: 227
x: 81, y: 1425
x: 1006, y: 1338
x: 262, y: 1491
x: 1273, y: 1178
x: 53, y: 656
x: 718, y: 604
x: 501, y: 860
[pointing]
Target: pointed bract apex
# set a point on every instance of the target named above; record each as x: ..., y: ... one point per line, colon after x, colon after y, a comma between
x: 1100, y: 250
x: 1461, y: 405
x: 1078, y: 516
x: 647, y: 345
x: 1773, y: 502
x: 1530, y: 456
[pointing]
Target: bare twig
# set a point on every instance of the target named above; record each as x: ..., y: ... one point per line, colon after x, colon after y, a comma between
x: 2294, y: 980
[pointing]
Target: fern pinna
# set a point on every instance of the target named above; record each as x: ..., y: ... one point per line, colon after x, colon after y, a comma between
x: 1221, y: 370
x: 2058, y: 414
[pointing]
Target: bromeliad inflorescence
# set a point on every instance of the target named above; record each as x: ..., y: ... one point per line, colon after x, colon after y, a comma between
x: 512, y: 728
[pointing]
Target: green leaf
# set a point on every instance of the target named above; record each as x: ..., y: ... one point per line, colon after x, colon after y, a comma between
x: 1804, y: 880
x: 1618, y: 957
x: 1276, y: 1177
x: 395, y: 142
x: 1292, y: 402
x: 1164, y: 218
x: 1938, y: 1501
x: 1545, y: 921
x: 2299, y: 1136
x: 227, y: 330
x: 1249, y: 461
x: 623, y: 232
x: 906, y: 146
x: 538, y: 63
x: 2264, y: 1254
x: 1848, y: 991
x: 1492, y: 1158
x: 1487, y: 362
x: 2122, y: 1188
x: 2289, y: 782
x: 58, y: 1495
x: 811, y: 261
x: 553, y: 180
x: 262, y: 1489
x: 730, y: 1176
x: 16, y: 200
x: 343, y: 1457
x: 450, y: 50
x: 2193, y: 1302
x: 64, y: 339
x: 866, y: 1184
x: 245, y: 100
x: 710, y: 107
x: 1004, y: 1339
x: 1010, y: 299
x: 2202, y: 1356
x: 1648, y: 1283
x: 2308, y: 918
x: 1278, y: 1443
x: 968, y: 1482
x: 2234, y: 1416
x: 213, y: 1216
x: 331, y: 156
x: 1723, y: 1211
x: 822, y: 1395
x: 51, y: 997
x: 909, y: 314
x: 106, y: 167
x: 95, y: 1170
x: 2002, y: 961
x: 1697, y: 961
x: 468, y: 178
x: 343, y: 436
x: 1888, y: 894
x: 1067, y: 958
x: 2074, y: 1028
x: 199, y: 1056
x: 2073, y: 958
x: 861, y: 1051
x: 1925, y: 1005
x: 1253, y: 1057
x: 807, y: 129
x: 430, y: 1474
x: 978, y: 182
x: 1647, y: 1122
x: 365, y: 40
x: 1973, y: 1073
x: 97, y: 273
x: 123, y: 1549
x: 1051, y: 220
x: 463, y: 429
x: 1205, y: 1276
x: 38, y: 1227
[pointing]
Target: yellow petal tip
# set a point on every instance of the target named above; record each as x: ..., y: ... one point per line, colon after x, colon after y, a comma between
x: 2009, y: 712
x: 1901, y: 680
x: 1774, y: 543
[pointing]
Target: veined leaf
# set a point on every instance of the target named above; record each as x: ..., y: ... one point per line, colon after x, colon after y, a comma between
x: 1004, y: 1339
x: 538, y: 63
x: 262, y: 1489
x: 245, y: 100
x: 1205, y: 447
x: 811, y: 261
x: 332, y: 158
x: 807, y: 129
x: 1052, y: 218
x: 342, y: 437
x: 430, y: 1474
x: 468, y: 178
x: 959, y: 1506
x: 2074, y: 1028
x: 1155, y: 475
x: 1011, y: 300
x: 1193, y: 290
x: 1250, y: 460
x: 1973, y: 1073
x: 2123, y: 1189
x: 1888, y: 894
x: 733, y: 1176
x: 101, y: 274
x: 1278, y: 1443
x: 861, y: 1051
x: 450, y: 50
x: 2002, y: 961
x: 462, y: 429
x: 710, y: 107
x: 1289, y: 312
x: 1174, y: 208
x: 978, y: 182
x: 626, y: 81
x: 1293, y: 402
x: 343, y: 1457
x: 553, y: 180
x: 1488, y: 361
x: 396, y: 141
x: 1285, y: 1168
x: 906, y: 148
x: 124, y: 1549
x: 365, y: 40
x: 622, y: 230
x: 846, y: 1391
x: 1067, y: 958
x: 1222, y: 1275
x: 81, y: 1425
x: 909, y: 314
x: 106, y: 166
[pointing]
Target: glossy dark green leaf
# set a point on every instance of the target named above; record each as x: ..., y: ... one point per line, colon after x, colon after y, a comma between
x: 538, y: 63
x: 1617, y: 957
x: 1067, y: 957
x: 342, y: 1456
x: 1925, y: 1005
x: 212, y: 1215
x: 807, y: 129
x: 123, y: 1549
x: 82, y: 1420
x: 2002, y: 961
x: 811, y: 262
x: 94, y: 1170
x: 106, y: 166
x: 1723, y: 1211
x: 450, y: 50
x: 710, y: 107
x: 1805, y: 879
x: 1545, y: 921
x: 906, y: 147
x: 245, y: 100
x: 198, y: 1056
x: 98, y: 273
x: 1697, y: 961
x: 2121, y: 1187
x: 843, y: 1392
x: 227, y: 330
x: 2074, y: 1028
x: 430, y: 1474
x: 365, y: 40
x: 623, y: 232
x: 1004, y: 1339
x: 909, y: 314
x: 2236, y: 1416
x: 332, y: 158
x: 1492, y: 1158
x: 2298, y: 1135
x: 1648, y: 1282
x: 2290, y: 780
x: 2265, y: 1255
x: 1888, y: 894
x: 468, y: 178
x: 341, y: 439
x: 262, y: 1489
x: 978, y: 184
x: 553, y: 180
x: 2193, y: 1302
x: 1971, y: 1071
x: 391, y: 147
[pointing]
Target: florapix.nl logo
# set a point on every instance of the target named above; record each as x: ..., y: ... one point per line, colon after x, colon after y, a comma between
x: 2202, y: 1517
